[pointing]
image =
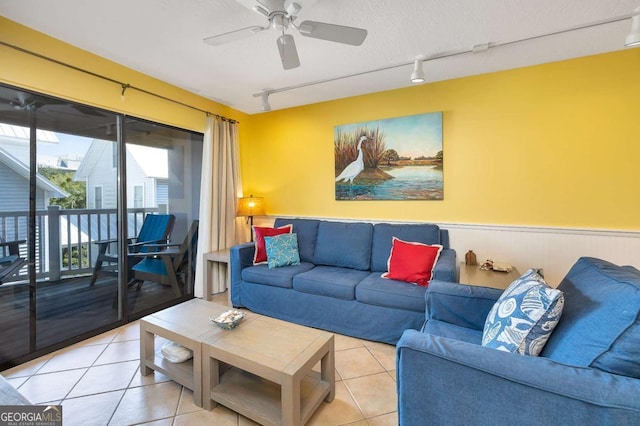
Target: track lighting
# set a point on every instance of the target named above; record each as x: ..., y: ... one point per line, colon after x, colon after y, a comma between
x: 417, y: 76
x: 633, y: 39
x: 265, y: 102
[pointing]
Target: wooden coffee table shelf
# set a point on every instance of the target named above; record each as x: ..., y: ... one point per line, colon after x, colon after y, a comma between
x: 261, y: 400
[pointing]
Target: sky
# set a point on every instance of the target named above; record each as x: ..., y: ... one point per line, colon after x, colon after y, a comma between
x: 69, y: 146
x: 411, y: 136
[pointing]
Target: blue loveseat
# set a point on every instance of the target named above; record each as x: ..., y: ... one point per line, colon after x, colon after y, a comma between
x: 588, y: 372
x: 337, y: 286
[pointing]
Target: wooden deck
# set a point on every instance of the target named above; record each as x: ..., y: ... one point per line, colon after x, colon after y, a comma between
x: 65, y: 310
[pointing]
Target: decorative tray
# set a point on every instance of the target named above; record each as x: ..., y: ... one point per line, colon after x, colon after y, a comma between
x: 228, y: 319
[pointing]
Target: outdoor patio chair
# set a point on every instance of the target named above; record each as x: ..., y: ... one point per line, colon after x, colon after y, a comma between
x: 10, y: 261
x: 155, y: 229
x: 170, y: 264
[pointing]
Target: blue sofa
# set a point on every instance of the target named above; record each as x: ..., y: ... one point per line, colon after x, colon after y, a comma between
x: 588, y: 372
x: 337, y: 286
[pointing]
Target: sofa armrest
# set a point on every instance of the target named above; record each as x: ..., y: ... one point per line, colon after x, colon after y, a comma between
x: 460, y: 304
x: 504, y: 388
x: 10, y: 396
x: 445, y: 268
x: 240, y: 257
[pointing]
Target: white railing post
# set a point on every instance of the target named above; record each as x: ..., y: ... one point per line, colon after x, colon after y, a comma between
x: 53, y: 235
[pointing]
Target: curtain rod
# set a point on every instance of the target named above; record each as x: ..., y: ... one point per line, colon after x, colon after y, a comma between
x: 123, y: 85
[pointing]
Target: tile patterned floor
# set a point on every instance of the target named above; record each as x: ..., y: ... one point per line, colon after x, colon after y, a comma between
x: 98, y: 382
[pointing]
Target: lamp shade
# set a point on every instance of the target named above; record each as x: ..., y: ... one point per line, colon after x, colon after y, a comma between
x: 250, y: 206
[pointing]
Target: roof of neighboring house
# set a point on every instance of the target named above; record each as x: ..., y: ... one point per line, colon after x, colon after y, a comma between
x: 154, y: 162
x: 92, y: 157
x: 23, y: 170
x: 23, y: 133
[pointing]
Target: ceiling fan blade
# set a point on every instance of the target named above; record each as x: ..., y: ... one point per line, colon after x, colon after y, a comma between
x: 332, y: 32
x: 288, y: 52
x: 219, y: 39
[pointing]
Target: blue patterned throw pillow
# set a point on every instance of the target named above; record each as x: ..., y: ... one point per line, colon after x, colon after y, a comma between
x: 524, y: 316
x: 282, y: 250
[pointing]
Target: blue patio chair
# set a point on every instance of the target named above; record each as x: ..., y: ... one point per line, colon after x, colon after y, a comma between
x: 169, y: 264
x: 155, y: 229
x: 10, y: 261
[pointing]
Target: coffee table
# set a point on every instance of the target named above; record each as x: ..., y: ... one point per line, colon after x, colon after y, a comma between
x: 263, y: 369
x: 188, y: 325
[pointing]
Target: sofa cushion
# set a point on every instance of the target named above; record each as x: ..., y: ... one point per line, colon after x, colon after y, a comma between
x: 383, y: 234
x: 375, y: 290
x: 260, y: 253
x: 330, y: 281
x: 453, y: 331
x: 344, y: 244
x: 524, y: 316
x: 600, y: 325
x: 412, y: 262
x: 307, y: 230
x: 277, y: 277
x: 282, y: 250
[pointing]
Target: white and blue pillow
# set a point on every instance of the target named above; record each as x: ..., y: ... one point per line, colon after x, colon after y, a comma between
x: 282, y: 250
x: 524, y: 316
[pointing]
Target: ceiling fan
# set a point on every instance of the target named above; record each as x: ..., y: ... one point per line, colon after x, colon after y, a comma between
x: 282, y: 15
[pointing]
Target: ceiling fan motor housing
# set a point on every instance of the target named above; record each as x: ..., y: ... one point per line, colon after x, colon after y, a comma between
x: 279, y: 21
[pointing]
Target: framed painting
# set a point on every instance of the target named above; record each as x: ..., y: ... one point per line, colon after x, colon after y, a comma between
x: 392, y: 159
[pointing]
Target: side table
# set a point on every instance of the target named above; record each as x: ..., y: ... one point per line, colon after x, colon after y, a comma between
x: 472, y: 274
x: 221, y: 257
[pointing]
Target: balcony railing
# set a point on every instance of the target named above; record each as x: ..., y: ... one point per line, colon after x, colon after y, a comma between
x: 64, y: 237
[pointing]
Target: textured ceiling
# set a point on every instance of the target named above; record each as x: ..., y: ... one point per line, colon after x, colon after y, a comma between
x: 163, y: 38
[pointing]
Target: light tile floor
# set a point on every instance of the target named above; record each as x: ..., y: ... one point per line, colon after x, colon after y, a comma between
x: 98, y: 382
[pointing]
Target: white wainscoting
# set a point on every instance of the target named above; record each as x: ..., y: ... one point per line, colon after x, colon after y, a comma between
x: 554, y: 250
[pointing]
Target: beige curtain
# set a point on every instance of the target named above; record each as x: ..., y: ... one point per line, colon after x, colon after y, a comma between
x: 220, y: 189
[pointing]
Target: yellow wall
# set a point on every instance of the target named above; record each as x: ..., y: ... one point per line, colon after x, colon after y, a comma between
x: 26, y: 71
x: 550, y: 145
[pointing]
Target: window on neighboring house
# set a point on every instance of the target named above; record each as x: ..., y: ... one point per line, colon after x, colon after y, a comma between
x: 138, y: 196
x: 97, y: 196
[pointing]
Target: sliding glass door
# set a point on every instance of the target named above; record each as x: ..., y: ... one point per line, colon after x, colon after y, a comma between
x: 163, y: 178
x: 79, y: 185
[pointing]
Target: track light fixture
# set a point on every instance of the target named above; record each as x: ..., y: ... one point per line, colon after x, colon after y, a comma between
x: 417, y: 76
x: 265, y: 101
x: 633, y: 39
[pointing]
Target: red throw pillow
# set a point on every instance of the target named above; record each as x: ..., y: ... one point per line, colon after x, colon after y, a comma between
x: 260, y: 254
x: 412, y: 262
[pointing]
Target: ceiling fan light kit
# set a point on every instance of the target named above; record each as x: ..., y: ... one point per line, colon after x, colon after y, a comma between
x: 281, y: 15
